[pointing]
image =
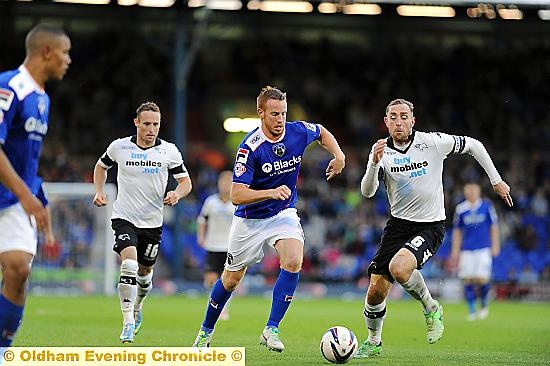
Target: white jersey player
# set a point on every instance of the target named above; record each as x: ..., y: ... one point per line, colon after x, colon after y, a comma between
x: 144, y: 163
x: 411, y: 164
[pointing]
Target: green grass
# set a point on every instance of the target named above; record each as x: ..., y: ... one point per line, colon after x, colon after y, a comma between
x: 514, y: 333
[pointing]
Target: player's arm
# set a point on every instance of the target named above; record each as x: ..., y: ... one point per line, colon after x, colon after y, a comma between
x: 241, y: 194
x: 100, y: 177
x: 182, y: 190
x: 456, y: 243
x: 30, y: 203
x: 329, y: 143
x: 201, y: 230
x: 495, y: 240
x: 478, y: 151
x: 369, y: 183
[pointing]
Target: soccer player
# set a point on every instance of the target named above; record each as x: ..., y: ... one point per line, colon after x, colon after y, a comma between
x: 24, y: 110
x: 264, y: 189
x: 411, y: 164
x: 144, y: 163
x: 213, y: 224
x: 475, y: 241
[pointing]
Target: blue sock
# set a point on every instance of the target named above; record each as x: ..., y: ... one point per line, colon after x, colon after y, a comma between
x: 218, y: 297
x: 283, y: 291
x: 484, y: 294
x: 10, y: 318
x: 470, y: 294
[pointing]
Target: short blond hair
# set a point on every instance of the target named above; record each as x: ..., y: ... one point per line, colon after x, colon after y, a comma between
x: 267, y: 93
x: 400, y: 101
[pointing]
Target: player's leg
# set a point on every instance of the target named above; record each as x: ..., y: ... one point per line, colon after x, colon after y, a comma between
x: 16, y: 267
x: 17, y: 248
x: 403, y: 269
x: 291, y: 254
x: 126, y: 240
x: 144, y: 282
x: 374, y: 312
x: 215, y: 266
x: 470, y: 296
x: 467, y: 272
x: 483, y: 276
x: 127, y: 292
x: 421, y: 246
x: 147, y: 252
x: 219, y: 295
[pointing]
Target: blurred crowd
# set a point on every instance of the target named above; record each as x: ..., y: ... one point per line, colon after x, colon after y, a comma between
x: 492, y: 88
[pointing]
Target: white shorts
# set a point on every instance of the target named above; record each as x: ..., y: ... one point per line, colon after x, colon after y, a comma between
x: 18, y: 232
x: 475, y: 263
x: 248, y: 236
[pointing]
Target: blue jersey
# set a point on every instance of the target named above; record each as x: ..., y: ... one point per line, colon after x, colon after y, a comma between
x: 265, y: 164
x: 24, y: 109
x: 475, y: 223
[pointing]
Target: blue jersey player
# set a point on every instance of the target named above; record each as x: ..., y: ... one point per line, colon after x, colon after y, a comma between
x: 475, y: 242
x: 264, y: 190
x: 24, y: 108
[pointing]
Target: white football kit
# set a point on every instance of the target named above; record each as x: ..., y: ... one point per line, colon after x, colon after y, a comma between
x: 218, y: 216
x: 413, y: 176
x: 142, y: 178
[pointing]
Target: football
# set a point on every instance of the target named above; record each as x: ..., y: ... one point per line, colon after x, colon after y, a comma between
x: 338, y: 344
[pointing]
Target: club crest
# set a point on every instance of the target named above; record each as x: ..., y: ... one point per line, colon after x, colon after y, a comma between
x: 279, y: 149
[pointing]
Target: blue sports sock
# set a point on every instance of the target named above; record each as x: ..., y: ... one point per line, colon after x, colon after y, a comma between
x: 218, y: 297
x: 283, y: 291
x: 10, y: 318
x: 470, y: 294
x: 484, y: 294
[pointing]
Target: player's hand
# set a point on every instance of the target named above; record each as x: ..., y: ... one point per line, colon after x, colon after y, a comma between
x: 281, y: 193
x: 503, y: 190
x: 100, y: 199
x: 171, y: 198
x: 34, y: 207
x: 335, y: 167
x: 495, y: 251
x: 378, y: 150
x: 49, y: 239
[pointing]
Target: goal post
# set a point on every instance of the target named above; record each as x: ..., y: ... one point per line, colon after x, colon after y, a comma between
x: 81, y: 261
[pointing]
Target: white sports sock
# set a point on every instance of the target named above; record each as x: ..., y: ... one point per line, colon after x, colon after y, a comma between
x: 144, y: 286
x: 417, y: 288
x: 127, y: 289
x: 374, y: 317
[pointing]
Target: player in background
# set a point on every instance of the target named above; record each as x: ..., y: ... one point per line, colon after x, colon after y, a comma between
x: 411, y: 164
x: 144, y: 163
x: 24, y: 110
x: 475, y: 242
x: 264, y: 189
x: 213, y: 224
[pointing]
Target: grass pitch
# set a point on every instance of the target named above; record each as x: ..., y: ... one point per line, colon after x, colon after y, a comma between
x: 514, y: 334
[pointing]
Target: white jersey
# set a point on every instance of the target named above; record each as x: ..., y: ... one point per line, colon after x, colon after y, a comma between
x: 413, y: 176
x: 217, y: 215
x: 142, y: 178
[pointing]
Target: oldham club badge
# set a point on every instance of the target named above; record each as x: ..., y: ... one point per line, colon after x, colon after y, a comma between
x: 279, y: 149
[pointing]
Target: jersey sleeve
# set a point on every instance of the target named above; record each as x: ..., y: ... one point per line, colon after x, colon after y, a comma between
x: 313, y: 131
x: 457, y: 220
x: 243, y: 170
x: 176, y: 166
x: 8, y: 109
x: 493, y: 217
x: 448, y: 144
x: 108, y: 159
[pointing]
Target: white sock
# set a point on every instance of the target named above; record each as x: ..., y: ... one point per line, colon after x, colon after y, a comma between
x: 374, y: 317
x: 127, y: 289
x: 144, y: 286
x: 417, y: 288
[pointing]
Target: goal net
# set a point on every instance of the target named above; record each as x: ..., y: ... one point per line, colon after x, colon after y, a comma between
x: 81, y: 260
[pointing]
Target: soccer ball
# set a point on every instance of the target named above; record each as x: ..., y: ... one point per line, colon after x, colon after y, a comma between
x: 338, y: 345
